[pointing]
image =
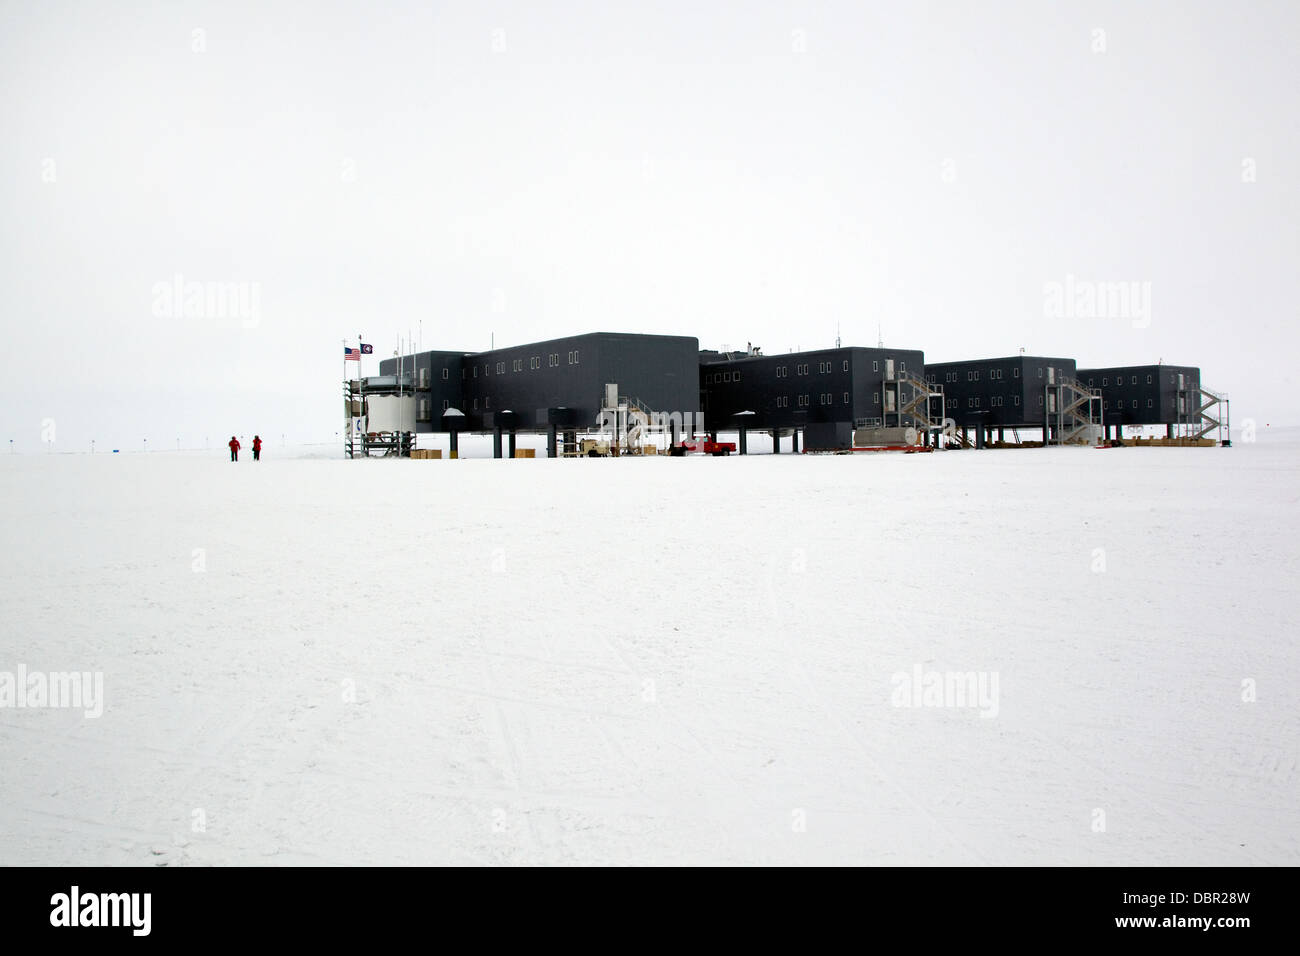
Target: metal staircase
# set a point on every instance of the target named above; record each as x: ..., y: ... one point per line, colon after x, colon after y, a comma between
x: 631, y: 421
x: 1199, y: 423
x: 1078, y: 412
x: 919, y: 404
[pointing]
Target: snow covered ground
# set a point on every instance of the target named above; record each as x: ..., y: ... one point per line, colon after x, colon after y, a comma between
x: 310, y: 660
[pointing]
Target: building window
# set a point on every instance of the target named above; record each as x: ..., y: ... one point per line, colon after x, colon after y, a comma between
x: 1017, y: 401
x: 846, y: 398
x: 1148, y: 403
x: 1040, y: 398
x: 487, y: 401
x: 875, y: 365
x: 1040, y: 373
x: 1015, y: 372
x: 902, y: 366
x: 1134, y: 381
x: 1105, y: 382
x: 726, y: 376
x: 444, y: 375
x: 476, y: 404
x: 735, y: 377
x: 875, y: 399
x: 1148, y: 379
x: 476, y: 371
x: 846, y: 365
x: 445, y: 404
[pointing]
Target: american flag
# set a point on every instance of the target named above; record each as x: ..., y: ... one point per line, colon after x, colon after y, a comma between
x: 351, y: 355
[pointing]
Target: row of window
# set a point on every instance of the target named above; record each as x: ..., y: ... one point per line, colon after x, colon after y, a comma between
x: 803, y: 401
x: 1119, y: 404
x: 517, y: 365
x: 995, y: 401
x: 1133, y: 380
x: 783, y: 371
x: 1119, y: 380
x: 974, y: 375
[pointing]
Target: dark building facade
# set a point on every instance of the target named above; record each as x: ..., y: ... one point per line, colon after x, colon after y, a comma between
x: 559, y: 386
x: 999, y: 392
x: 823, y: 393
x: 1146, y: 394
x: 560, y: 382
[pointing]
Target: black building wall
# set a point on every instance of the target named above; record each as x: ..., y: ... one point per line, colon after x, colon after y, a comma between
x: 1143, y: 394
x: 796, y: 389
x: 1008, y: 392
x: 562, y: 381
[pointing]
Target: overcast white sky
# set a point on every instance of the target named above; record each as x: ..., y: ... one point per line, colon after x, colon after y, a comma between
x: 734, y: 171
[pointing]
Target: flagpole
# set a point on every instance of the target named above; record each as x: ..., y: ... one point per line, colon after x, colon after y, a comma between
x: 415, y: 375
x: 361, y: 384
x: 347, y: 384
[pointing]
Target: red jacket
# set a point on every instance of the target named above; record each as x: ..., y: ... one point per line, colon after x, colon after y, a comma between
x: 257, y: 444
x: 234, y: 444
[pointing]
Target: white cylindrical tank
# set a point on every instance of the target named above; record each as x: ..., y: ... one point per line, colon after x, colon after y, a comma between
x: 390, y: 413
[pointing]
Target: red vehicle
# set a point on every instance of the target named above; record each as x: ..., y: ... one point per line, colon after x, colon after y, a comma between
x: 704, y: 446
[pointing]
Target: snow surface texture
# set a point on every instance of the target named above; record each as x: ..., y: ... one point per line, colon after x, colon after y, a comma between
x: 655, y: 661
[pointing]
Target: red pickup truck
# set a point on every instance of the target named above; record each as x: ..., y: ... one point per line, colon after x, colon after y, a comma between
x: 703, y: 446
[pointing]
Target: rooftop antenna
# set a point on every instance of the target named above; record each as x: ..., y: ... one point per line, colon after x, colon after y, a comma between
x: 837, y: 335
x: 880, y: 337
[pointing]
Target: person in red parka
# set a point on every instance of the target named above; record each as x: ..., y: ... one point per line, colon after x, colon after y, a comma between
x: 257, y: 448
x: 234, y: 448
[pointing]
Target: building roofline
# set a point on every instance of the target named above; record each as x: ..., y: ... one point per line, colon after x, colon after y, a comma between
x: 1006, y: 358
